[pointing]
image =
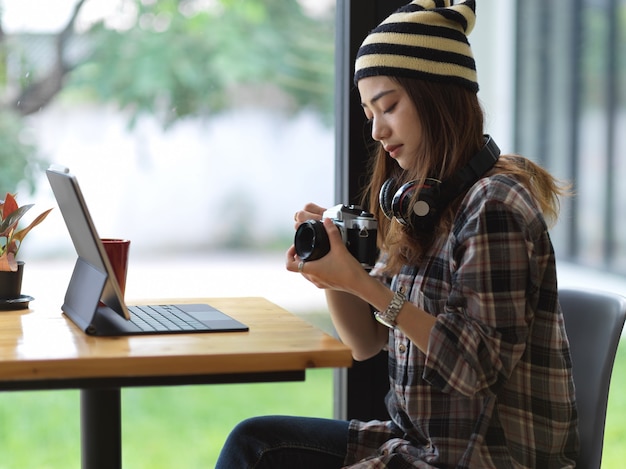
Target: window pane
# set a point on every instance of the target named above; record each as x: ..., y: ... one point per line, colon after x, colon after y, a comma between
x: 192, y: 126
x: 570, y: 107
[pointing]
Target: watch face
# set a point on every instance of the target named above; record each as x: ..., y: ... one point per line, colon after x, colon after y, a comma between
x: 381, y: 319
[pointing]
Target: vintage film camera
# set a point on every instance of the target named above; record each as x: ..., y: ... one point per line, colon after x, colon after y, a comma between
x: 358, y: 230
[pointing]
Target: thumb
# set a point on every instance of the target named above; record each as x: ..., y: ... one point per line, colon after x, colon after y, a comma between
x: 334, y: 236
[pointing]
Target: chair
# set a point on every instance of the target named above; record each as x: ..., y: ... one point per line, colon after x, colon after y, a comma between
x: 594, y: 322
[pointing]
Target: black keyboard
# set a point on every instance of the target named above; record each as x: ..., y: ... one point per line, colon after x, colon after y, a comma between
x: 163, y: 318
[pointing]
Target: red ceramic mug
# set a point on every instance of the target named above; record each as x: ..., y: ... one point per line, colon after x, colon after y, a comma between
x: 117, y: 252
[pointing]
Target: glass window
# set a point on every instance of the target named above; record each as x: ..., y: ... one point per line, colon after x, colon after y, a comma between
x: 195, y: 126
x: 570, y: 104
x: 196, y: 129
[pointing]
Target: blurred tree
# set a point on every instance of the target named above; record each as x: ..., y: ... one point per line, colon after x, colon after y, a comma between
x: 180, y: 58
x: 172, y: 59
x: 19, y: 160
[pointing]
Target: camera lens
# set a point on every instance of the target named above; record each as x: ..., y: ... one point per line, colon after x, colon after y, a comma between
x: 311, y: 240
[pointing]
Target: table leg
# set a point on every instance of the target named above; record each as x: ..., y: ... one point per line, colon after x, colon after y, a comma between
x: 101, y: 428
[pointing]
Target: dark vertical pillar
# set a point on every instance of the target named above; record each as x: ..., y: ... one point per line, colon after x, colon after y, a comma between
x: 367, y: 382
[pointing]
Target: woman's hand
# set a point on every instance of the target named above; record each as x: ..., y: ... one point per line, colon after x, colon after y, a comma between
x: 310, y: 212
x: 347, y: 285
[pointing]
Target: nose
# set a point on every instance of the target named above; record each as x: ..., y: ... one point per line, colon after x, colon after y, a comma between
x: 380, y: 129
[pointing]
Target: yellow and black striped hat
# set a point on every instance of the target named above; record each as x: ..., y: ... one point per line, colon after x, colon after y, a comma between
x: 425, y: 39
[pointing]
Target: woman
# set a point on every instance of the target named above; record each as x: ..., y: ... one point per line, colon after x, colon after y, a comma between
x: 465, y: 291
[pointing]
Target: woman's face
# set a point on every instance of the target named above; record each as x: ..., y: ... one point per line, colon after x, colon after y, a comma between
x: 394, y: 119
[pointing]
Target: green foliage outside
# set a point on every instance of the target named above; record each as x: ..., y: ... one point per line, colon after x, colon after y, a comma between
x: 164, y: 427
x: 614, y: 453
x: 169, y: 59
x: 175, y: 62
x: 18, y: 156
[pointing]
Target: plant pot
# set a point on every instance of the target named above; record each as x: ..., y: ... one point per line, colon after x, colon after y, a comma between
x: 11, y: 283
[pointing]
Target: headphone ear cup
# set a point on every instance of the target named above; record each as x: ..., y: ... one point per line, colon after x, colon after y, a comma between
x: 385, y: 197
x: 420, y: 214
x: 431, y: 201
x: 401, y: 203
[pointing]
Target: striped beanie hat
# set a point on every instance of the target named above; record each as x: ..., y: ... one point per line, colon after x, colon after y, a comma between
x: 425, y: 39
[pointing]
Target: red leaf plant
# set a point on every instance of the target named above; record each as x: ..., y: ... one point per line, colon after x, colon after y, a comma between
x: 10, y: 237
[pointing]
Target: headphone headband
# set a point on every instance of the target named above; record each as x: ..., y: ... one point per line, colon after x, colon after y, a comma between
x: 464, y: 178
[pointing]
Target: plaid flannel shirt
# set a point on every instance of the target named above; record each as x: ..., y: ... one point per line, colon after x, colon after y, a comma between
x: 495, y: 388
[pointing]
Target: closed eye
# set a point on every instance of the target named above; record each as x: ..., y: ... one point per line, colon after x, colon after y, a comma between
x: 391, y: 108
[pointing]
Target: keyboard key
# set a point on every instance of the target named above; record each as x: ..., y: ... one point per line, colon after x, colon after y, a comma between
x: 163, y: 318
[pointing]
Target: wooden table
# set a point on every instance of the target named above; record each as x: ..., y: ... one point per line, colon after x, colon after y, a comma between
x: 41, y: 349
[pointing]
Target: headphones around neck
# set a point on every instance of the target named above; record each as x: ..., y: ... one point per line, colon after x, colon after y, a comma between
x: 422, y: 213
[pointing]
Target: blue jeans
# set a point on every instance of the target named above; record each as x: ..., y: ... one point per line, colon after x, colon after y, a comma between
x: 280, y: 442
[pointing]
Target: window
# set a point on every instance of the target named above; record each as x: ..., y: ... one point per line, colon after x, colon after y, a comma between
x: 570, y: 107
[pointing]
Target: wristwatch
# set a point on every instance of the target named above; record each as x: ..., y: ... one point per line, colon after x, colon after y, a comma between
x: 388, y: 317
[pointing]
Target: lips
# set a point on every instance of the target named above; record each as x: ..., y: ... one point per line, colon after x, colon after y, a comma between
x: 392, y: 150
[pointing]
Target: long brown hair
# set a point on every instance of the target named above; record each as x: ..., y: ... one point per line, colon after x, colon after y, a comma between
x: 452, y: 133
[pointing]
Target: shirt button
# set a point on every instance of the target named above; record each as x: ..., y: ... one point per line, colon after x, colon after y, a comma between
x: 402, y: 348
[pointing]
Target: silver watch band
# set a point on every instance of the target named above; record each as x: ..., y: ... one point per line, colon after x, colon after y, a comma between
x: 388, y: 317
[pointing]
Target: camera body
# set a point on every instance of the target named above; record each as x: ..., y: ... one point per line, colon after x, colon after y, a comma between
x: 358, y: 230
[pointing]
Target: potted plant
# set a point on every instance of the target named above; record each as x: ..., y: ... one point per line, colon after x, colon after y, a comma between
x: 10, y: 242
